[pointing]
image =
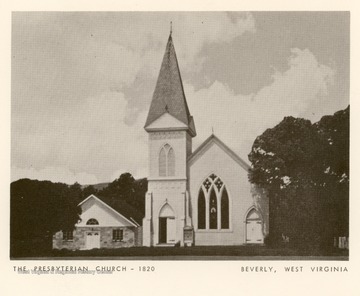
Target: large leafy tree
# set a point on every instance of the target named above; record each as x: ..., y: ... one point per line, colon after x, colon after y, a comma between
x: 38, y: 209
x: 88, y: 190
x: 303, y: 170
x: 128, y: 189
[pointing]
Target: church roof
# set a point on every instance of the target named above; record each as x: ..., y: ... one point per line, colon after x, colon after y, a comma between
x: 120, y: 207
x: 207, y: 144
x: 169, y: 93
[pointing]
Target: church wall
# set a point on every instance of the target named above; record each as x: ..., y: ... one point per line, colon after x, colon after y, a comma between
x: 216, y: 160
x: 188, y: 145
x: 172, y: 193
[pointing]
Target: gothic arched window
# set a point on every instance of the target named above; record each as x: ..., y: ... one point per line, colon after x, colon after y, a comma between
x: 167, y: 161
x: 213, y: 211
x: 171, y: 162
x: 213, y: 204
x: 201, y: 210
x: 162, y: 163
x: 224, y: 210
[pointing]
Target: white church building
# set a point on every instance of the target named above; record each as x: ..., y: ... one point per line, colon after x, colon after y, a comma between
x: 200, y: 197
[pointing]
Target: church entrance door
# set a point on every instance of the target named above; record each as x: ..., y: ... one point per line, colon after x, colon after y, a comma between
x: 254, y: 228
x: 162, y: 230
x: 92, y: 240
x: 167, y: 225
x: 167, y: 230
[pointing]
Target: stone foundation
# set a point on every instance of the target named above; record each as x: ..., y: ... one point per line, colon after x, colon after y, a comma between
x: 132, y: 236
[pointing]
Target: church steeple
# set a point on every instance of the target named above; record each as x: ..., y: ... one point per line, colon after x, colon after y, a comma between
x: 169, y: 96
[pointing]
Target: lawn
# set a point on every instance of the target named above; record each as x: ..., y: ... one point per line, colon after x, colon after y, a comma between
x: 248, y: 252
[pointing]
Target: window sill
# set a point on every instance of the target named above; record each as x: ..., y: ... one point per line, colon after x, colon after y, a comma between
x: 213, y: 230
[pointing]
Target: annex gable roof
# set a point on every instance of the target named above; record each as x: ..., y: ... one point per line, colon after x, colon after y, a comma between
x: 214, y: 140
x: 126, y: 213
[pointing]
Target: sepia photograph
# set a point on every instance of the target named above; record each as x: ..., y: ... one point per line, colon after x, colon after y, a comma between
x: 201, y: 136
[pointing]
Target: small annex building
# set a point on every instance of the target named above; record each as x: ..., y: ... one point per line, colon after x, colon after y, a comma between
x: 110, y: 224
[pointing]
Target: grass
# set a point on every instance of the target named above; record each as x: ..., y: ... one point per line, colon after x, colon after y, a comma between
x: 198, y: 252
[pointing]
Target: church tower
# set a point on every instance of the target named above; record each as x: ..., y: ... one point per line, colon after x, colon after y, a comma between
x: 170, y: 128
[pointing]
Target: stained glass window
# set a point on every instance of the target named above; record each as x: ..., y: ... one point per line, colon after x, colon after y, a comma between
x: 224, y: 210
x: 201, y: 210
x: 213, y: 210
x: 212, y: 191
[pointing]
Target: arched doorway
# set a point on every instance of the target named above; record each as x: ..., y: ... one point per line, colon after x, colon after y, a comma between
x: 167, y: 225
x: 254, y: 233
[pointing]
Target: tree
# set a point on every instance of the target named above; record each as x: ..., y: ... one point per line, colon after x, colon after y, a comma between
x: 37, y: 210
x: 128, y: 189
x: 75, y: 192
x: 88, y: 190
x: 335, y: 130
x: 292, y: 163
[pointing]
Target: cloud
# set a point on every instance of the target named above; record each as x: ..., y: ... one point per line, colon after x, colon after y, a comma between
x: 198, y: 29
x: 83, y: 50
x: 92, y: 138
x: 96, y: 139
x: 71, y: 112
x: 239, y: 119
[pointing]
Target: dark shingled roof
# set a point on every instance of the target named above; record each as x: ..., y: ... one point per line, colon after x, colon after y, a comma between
x: 169, y: 93
x: 122, y: 207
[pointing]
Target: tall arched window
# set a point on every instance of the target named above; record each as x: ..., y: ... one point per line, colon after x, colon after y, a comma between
x: 224, y: 210
x: 167, y: 161
x: 213, y: 209
x: 201, y: 210
x: 162, y: 163
x: 213, y: 204
x: 171, y: 162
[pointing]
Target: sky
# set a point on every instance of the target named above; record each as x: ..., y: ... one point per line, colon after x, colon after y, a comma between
x: 82, y: 82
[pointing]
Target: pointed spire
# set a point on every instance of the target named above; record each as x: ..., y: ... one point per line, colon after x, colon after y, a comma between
x: 169, y: 93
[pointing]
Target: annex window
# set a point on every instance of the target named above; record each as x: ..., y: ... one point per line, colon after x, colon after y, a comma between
x: 213, y: 204
x: 118, y: 235
x: 167, y: 161
x: 92, y: 221
x: 68, y: 235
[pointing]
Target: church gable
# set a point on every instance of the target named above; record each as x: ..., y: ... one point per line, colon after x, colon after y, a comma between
x: 220, y: 194
x: 215, y: 141
x: 96, y: 212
